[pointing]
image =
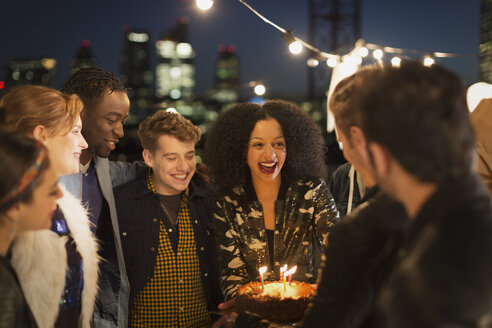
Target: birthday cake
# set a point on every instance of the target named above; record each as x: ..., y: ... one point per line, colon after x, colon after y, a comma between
x: 273, y: 302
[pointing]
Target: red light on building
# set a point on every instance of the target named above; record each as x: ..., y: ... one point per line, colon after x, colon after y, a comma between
x: 2, y: 84
x: 85, y: 43
x: 231, y: 48
x: 222, y: 48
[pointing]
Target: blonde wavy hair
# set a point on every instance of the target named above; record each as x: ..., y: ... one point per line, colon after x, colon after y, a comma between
x: 25, y: 107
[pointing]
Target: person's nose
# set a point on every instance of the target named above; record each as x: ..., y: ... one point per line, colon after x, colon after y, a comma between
x: 59, y: 192
x: 82, y: 143
x: 269, y: 152
x: 183, y: 165
x: 118, y: 130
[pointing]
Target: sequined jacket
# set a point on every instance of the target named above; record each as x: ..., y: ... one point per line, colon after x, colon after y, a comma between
x: 304, y: 213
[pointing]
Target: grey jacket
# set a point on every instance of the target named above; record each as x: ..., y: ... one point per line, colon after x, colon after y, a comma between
x: 109, y: 175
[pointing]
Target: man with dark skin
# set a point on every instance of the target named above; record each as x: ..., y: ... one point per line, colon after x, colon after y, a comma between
x: 106, y: 107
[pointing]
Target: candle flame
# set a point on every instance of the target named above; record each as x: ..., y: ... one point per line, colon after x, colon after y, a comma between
x: 262, y: 270
x: 291, y: 271
x: 282, y: 270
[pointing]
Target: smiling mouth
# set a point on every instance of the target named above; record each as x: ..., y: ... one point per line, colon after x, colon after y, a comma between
x: 180, y: 177
x: 111, y: 144
x: 268, y: 168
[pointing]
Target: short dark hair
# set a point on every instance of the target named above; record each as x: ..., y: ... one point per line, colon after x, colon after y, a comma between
x: 420, y: 115
x: 227, y: 142
x: 166, y: 123
x: 90, y: 83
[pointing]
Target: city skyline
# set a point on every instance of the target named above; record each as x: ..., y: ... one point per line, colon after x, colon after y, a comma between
x: 55, y: 29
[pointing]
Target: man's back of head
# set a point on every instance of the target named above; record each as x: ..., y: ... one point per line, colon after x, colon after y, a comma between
x: 419, y: 114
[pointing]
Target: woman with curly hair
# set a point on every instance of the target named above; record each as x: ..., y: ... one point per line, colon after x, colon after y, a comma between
x: 273, y: 206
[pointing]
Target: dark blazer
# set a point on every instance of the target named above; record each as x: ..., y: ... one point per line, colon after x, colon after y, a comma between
x: 444, y: 277
x: 137, y: 207
x: 362, y: 250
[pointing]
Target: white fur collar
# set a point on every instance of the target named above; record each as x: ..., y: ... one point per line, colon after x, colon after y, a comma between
x: 40, y: 260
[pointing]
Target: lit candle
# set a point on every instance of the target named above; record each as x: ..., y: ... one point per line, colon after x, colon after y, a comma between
x: 262, y: 270
x: 290, y: 273
x: 282, y: 276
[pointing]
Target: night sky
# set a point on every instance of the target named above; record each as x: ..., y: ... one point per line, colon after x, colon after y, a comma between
x: 55, y: 28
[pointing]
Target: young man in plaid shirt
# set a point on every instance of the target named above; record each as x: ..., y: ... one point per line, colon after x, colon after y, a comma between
x: 165, y: 218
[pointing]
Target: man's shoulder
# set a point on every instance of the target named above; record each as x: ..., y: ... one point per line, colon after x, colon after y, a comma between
x: 380, y: 213
x: 202, y: 188
x: 130, y: 188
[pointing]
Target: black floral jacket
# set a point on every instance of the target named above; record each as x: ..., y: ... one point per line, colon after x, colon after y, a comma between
x: 304, y: 213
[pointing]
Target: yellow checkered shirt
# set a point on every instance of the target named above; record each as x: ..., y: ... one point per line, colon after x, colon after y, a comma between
x: 174, y: 295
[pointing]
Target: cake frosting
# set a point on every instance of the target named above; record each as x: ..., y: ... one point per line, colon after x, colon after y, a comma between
x: 273, y: 303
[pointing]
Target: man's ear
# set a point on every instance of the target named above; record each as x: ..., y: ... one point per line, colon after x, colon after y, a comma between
x: 357, y: 138
x: 39, y: 133
x: 147, y: 156
x: 381, y: 159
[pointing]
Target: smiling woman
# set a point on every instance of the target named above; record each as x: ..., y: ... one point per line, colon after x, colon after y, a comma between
x: 273, y: 207
x: 69, y: 269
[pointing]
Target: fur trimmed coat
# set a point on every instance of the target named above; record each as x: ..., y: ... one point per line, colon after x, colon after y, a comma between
x: 40, y: 260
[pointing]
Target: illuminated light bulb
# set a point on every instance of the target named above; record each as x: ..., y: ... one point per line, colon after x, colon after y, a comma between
x: 428, y: 61
x: 363, y: 51
x: 396, y: 61
x: 204, y: 4
x: 378, y: 54
x: 260, y: 89
x: 295, y: 47
x: 312, y: 62
x: 331, y: 62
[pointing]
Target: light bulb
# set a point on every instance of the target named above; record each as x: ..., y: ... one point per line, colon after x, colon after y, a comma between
x: 312, y: 62
x: 396, y: 61
x: 295, y: 47
x: 428, y: 61
x: 204, y: 4
x: 378, y: 54
x: 260, y: 89
x: 331, y: 62
x: 363, y: 51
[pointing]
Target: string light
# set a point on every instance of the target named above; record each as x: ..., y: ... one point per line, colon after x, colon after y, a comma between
x: 363, y: 51
x: 204, y: 4
x: 428, y: 61
x: 378, y: 54
x: 295, y: 47
x: 396, y: 61
x: 332, y: 62
x: 312, y: 62
x: 259, y: 89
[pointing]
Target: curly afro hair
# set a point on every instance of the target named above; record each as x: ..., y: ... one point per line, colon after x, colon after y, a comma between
x: 226, y: 146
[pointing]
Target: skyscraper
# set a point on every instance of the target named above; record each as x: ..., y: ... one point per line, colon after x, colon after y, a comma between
x: 175, y: 71
x: 226, y: 88
x: 31, y: 71
x: 83, y: 57
x: 135, y: 68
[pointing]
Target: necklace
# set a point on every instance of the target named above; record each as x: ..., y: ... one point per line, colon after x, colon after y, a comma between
x: 151, y: 187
